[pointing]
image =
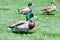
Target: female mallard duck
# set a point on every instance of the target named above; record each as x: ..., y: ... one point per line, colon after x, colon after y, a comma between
x: 24, y: 25
x: 50, y: 8
x: 24, y: 10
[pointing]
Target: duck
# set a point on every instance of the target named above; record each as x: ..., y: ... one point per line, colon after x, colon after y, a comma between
x: 23, y: 26
x: 24, y: 10
x: 50, y: 9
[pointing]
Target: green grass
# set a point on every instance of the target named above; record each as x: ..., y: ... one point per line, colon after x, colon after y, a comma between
x: 47, y: 26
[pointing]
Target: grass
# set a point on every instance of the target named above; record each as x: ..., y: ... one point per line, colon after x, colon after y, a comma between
x: 47, y: 26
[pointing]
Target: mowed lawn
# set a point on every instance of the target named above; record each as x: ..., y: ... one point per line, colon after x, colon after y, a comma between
x: 47, y: 26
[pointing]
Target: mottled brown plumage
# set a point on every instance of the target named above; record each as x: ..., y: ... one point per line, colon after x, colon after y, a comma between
x: 49, y: 9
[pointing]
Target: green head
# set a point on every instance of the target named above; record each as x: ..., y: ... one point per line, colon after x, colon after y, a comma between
x: 29, y: 15
x: 29, y: 4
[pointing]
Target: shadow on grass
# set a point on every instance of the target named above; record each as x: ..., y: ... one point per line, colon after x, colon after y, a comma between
x: 22, y: 32
x: 47, y: 14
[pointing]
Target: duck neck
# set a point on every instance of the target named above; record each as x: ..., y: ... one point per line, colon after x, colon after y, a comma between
x: 29, y: 6
x: 53, y: 3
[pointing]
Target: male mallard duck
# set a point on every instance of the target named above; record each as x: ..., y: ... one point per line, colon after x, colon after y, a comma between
x: 24, y: 10
x: 24, y: 25
x: 50, y: 8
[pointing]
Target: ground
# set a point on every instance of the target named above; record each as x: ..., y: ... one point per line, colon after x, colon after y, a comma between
x: 47, y: 26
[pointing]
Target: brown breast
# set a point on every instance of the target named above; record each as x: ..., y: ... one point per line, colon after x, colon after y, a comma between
x: 31, y: 24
